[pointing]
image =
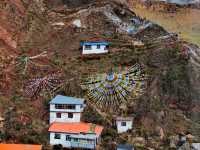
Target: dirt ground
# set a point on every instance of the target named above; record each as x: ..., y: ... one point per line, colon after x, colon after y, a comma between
x: 185, y: 21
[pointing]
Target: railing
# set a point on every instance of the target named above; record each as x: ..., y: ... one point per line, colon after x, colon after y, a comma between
x: 81, y: 145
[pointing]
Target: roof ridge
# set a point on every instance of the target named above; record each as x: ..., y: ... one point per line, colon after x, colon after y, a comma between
x: 77, y: 127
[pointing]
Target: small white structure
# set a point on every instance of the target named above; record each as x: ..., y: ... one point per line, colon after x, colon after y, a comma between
x: 77, y: 23
x: 124, y: 124
x: 124, y: 147
x: 94, y: 47
x: 195, y: 146
x: 75, y: 135
x: 66, y: 109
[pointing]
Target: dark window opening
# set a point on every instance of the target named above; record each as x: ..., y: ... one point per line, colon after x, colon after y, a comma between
x: 70, y: 115
x: 64, y: 106
x: 123, y: 123
x: 57, y: 136
x: 58, y: 115
x: 75, y: 140
x: 106, y: 47
x: 88, y: 47
x: 68, y: 138
x: 98, y: 46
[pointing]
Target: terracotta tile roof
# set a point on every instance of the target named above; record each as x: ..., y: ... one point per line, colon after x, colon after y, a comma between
x: 20, y: 147
x: 79, y: 127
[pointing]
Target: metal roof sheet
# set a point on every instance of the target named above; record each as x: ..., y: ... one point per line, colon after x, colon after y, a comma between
x: 94, y: 43
x: 59, y: 99
x: 124, y: 147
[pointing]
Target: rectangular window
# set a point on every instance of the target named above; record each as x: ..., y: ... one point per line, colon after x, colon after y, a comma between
x: 70, y: 115
x: 75, y: 140
x: 106, y: 47
x: 57, y: 136
x: 90, y: 141
x: 58, y: 115
x: 98, y: 46
x: 58, y: 106
x: 68, y: 138
x: 82, y: 141
x: 123, y: 124
x: 64, y: 106
x: 88, y: 47
x: 70, y: 107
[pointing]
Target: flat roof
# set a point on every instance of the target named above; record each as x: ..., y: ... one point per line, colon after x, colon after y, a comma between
x: 20, y: 147
x: 77, y: 128
x: 125, y: 147
x: 124, y: 119
x: 95, y: 43
x: 59, y: 99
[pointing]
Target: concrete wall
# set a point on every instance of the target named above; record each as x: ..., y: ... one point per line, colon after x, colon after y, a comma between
x: 61, y: 141
x: 94, y: 50
x: 64, y: 117
x: 121, y: 129
x: 72, y: 143
x: 78, y: 108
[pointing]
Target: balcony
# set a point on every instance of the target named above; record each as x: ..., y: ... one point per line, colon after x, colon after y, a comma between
x: 77, y: 108
x: 82, y: 145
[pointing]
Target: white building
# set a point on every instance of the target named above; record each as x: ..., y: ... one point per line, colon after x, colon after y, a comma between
x: 20, y: 147
x: 124, y: 147
x: 75, y: 135
x: 94, y: 47
x: 195, y: 146
x: 66, y: 109
x: 124, y: 124
x: 65, y: 126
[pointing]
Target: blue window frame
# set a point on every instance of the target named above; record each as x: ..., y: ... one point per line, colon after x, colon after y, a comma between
x: 98, y: 46
x: 88, y: 47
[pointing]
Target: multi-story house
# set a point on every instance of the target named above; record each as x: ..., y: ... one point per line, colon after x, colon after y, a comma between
x: 66, y: 128
x: 66, y: 109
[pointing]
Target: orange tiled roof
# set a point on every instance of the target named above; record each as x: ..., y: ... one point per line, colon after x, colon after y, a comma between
x: 79, y: 127
x: 20, y: 147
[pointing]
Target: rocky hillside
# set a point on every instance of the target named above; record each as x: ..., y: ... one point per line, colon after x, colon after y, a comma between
x: 41, y: 37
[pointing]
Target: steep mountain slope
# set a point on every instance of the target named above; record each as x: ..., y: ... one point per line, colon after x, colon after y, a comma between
x: 55, y: 27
